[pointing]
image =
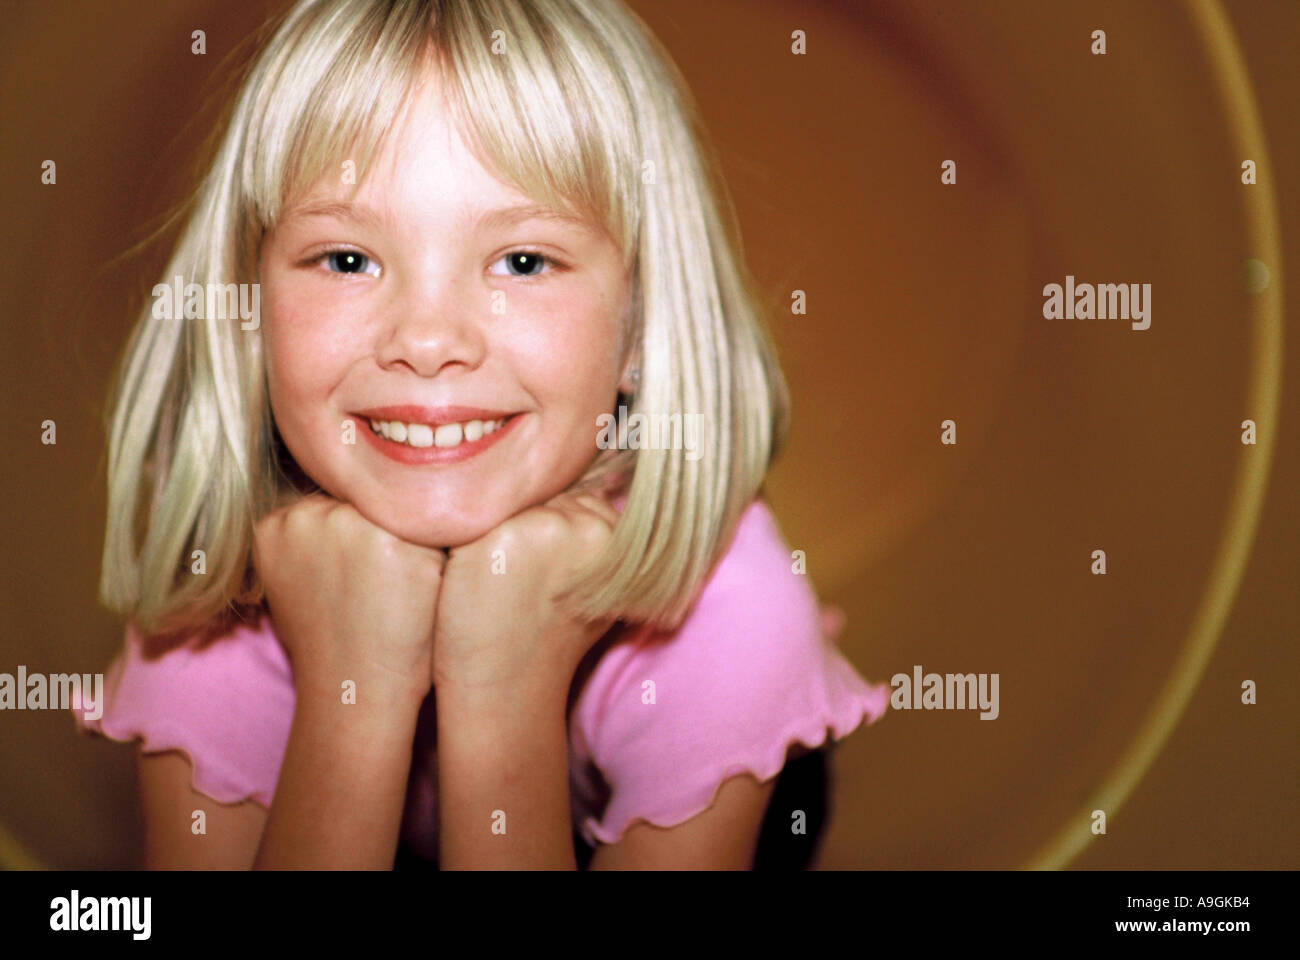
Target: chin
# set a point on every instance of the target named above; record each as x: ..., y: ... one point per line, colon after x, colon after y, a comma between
x: 440, y: 532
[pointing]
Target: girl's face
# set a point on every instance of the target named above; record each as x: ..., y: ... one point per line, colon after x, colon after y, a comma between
x: 442, y: 301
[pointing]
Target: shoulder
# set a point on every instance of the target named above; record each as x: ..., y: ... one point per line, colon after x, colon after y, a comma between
x: 668, y: 717
x: 756, y: 619
x: 226, y: 703
x: 758, y: 580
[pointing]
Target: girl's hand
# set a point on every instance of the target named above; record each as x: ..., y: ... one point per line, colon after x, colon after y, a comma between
x: 497, y: 619
x: 350, y: 601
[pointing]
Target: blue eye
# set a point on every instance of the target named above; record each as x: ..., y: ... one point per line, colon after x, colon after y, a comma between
x: 525, y: 263
x: 347, y: 262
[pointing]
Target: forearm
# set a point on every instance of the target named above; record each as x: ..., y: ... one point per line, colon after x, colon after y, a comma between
x: 504, y: 749
x: 342, y: 787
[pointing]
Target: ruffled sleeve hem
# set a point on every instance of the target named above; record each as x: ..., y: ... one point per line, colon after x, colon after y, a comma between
x: 870, y: 705
x: 207, y: 778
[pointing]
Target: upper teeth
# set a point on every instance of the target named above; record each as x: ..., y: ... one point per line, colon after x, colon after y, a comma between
x: 445, y: 435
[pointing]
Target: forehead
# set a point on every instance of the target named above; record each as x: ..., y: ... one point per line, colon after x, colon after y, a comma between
x: 423, y: 160
x: 425, y: 169
x: 426, y: 146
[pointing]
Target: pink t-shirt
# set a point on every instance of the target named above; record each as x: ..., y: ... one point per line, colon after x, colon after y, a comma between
x: 661, y: 721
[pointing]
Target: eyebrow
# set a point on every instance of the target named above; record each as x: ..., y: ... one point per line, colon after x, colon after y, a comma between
x: 509, y: 216
x: 340, y: 210
x: 480, y: 219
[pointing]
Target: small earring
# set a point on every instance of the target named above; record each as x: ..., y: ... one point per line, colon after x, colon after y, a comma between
x: 635, y: 376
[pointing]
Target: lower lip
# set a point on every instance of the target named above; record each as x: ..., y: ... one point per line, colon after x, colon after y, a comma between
x: 417, y: 456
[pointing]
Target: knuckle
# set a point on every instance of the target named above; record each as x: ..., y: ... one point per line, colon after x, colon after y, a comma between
x: 552, y: 522
x: 592, y: 531
x: 505, y: 537
x: 338, y: 516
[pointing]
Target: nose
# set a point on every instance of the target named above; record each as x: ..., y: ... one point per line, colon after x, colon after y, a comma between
x: 434, y: 323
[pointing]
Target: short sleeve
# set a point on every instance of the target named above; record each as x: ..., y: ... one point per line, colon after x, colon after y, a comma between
x: 226, y: 704
x: 749, y: 674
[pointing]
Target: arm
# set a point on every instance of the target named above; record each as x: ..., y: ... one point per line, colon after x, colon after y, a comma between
x: 338, y: 802
x: 504, y: 748
x: 505, y: 654
x: 508, y: 750
x: 168, y: 802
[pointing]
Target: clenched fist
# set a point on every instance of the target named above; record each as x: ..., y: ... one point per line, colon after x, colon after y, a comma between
x: 349, y: 600
x: 498, y: 622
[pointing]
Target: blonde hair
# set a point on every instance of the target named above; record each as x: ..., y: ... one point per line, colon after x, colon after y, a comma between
x: 584, y: 111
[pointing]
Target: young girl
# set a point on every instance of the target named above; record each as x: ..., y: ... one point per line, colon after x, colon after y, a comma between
x: 392, y: 583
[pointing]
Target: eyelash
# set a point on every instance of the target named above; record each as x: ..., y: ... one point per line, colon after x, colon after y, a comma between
x: 549, y: 264
x: 547, y: 261
x: 326, y: 254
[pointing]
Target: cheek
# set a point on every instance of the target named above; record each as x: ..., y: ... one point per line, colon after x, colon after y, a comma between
x: 569, y: 350
x: 304, y: 347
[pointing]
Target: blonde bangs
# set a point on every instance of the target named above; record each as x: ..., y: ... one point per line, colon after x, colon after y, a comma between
x: 550, y: 114
x: 545, y: 108
x: 330, y: 93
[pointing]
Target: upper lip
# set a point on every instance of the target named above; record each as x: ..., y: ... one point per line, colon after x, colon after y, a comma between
x: 434, y: 416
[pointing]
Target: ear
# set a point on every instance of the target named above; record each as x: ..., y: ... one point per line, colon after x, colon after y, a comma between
x: 630, y: 380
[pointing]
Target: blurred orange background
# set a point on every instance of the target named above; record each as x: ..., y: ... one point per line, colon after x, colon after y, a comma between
x: 924, y: 303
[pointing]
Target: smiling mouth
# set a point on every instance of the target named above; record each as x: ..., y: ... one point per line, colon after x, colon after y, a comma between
x: 444, y: 436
